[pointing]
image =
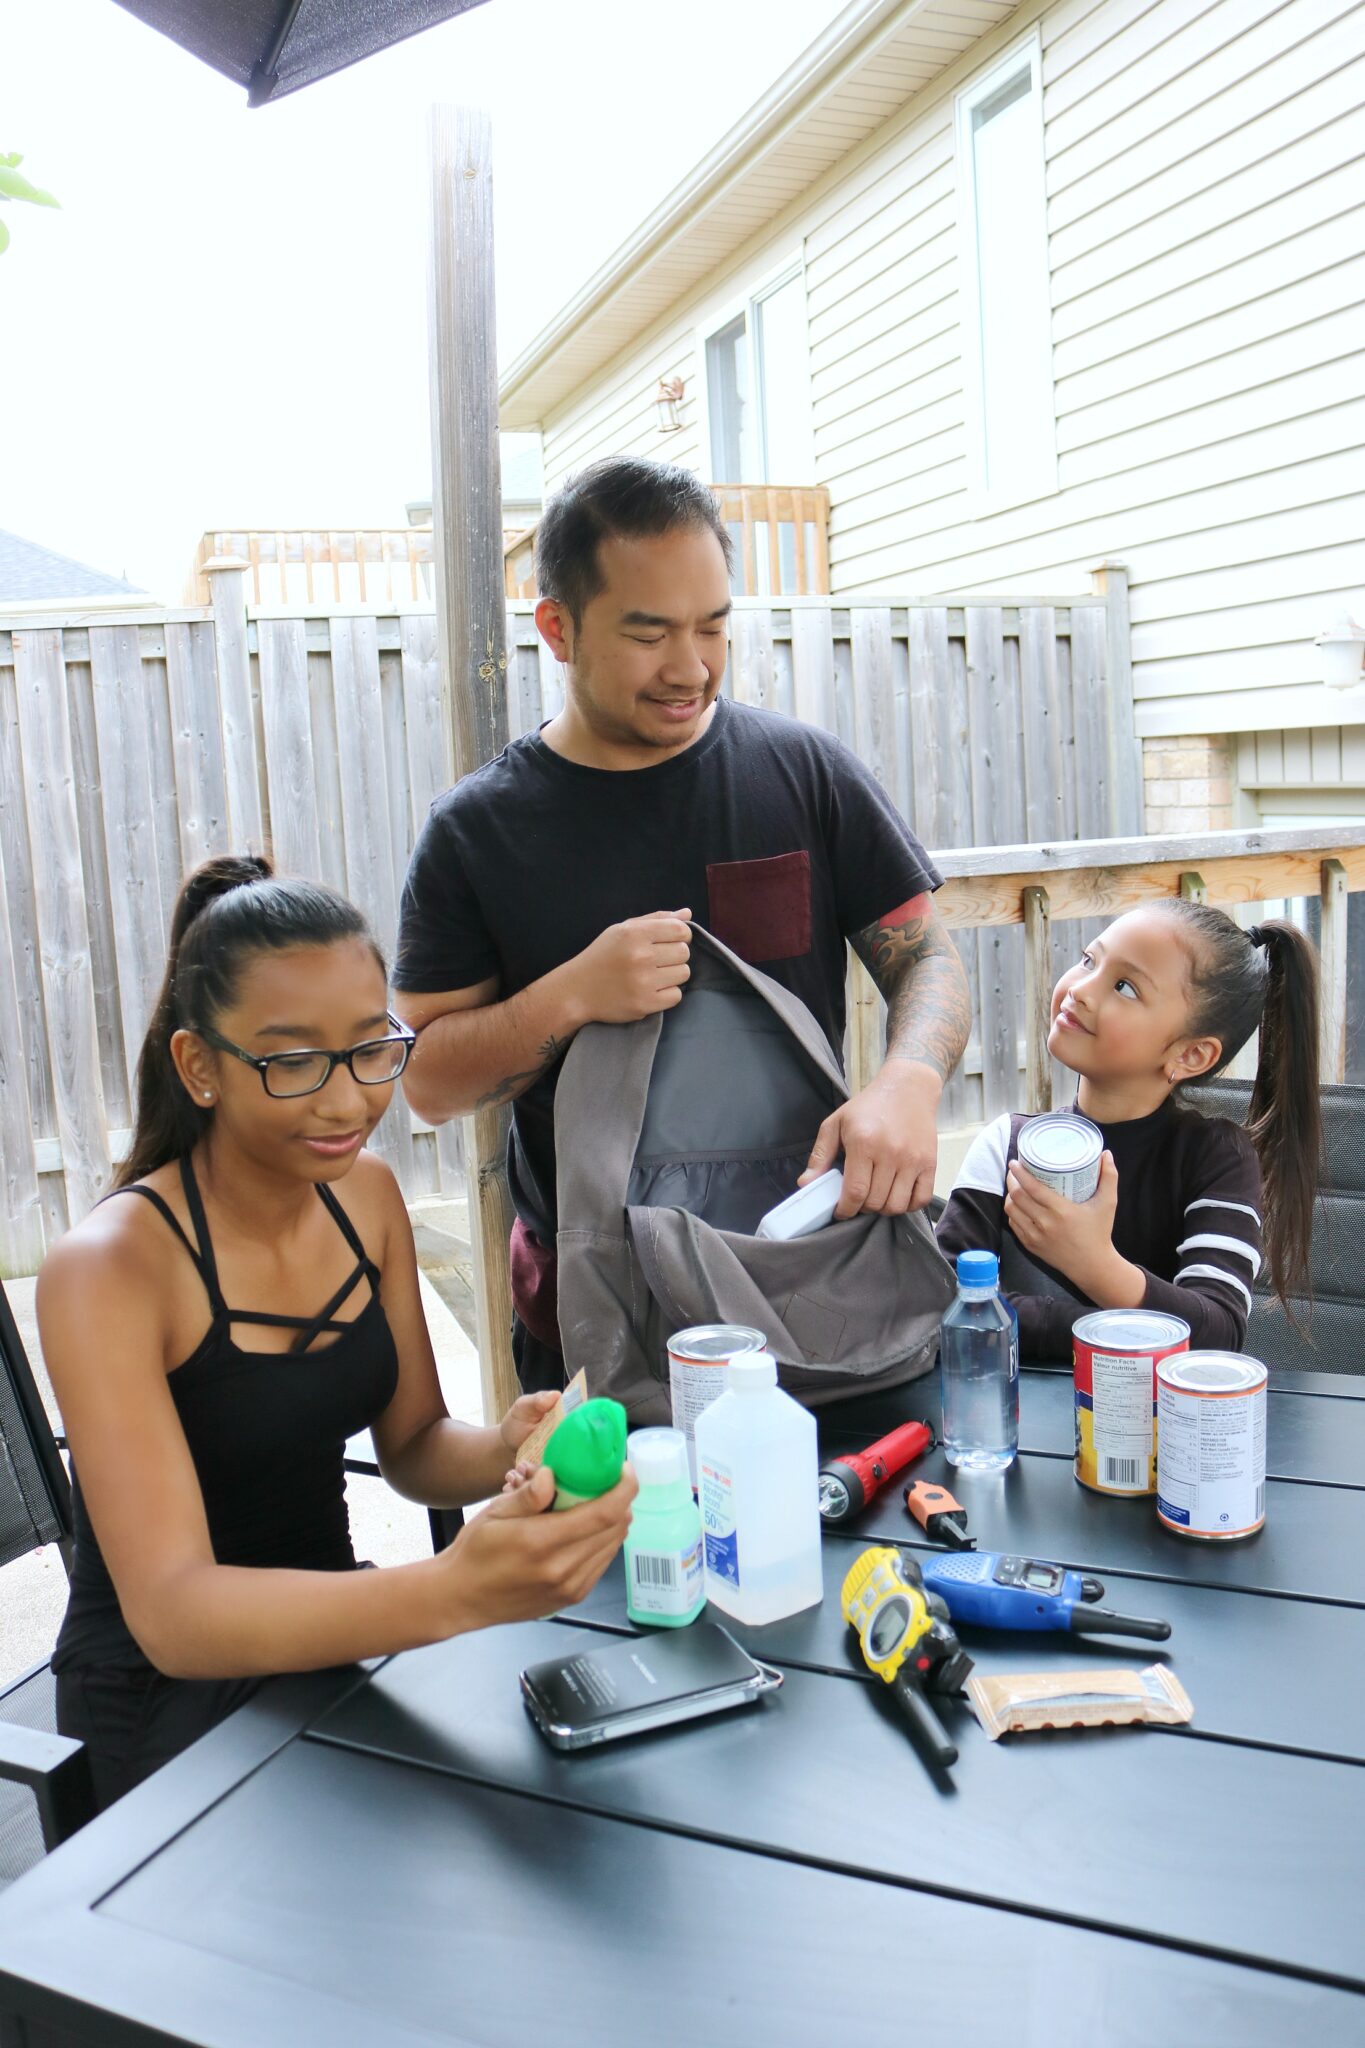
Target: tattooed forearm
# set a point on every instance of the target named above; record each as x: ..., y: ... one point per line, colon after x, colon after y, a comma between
x: 513, y: 1085
x: 915, y: 966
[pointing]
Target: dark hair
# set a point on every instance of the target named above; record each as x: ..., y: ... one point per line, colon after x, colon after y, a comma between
x: 228, y: 910
x: 1267, y: 975
x: 623, y: 498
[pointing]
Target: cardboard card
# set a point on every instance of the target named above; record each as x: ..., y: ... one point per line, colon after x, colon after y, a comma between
x: 532, y: 1452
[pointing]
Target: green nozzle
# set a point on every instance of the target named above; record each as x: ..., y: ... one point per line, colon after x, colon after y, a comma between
x: 587, y: 1451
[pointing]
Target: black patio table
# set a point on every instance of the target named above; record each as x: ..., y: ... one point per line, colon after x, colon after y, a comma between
x: 393, y: 1856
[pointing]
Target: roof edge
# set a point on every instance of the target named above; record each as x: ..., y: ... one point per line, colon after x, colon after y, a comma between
x: 802, y: 80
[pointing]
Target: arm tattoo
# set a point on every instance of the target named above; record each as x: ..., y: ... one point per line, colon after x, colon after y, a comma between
x: 513, y: 1085
x: 915, y: 966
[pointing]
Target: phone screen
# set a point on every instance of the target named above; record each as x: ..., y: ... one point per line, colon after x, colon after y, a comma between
x: 641, y: 1672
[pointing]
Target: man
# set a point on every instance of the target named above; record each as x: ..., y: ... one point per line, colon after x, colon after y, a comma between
x: 556, y: 886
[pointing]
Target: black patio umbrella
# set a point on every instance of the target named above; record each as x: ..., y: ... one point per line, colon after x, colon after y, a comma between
x: 275, y: 46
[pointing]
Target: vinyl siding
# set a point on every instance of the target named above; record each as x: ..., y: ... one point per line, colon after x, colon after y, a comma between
x: 1206, y: 215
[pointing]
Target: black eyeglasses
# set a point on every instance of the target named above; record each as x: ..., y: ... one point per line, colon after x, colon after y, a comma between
x: 302, y: 1073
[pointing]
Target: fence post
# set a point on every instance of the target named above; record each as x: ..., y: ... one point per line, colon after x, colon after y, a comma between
x: 471, y: 611
x: 1111, y: 579
x: 864, y: 1025
x: 227, y: 576
x: 1332, y: 950
x: 1037, y: 998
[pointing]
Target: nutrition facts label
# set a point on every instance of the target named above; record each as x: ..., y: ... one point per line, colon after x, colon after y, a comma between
x: 1122, y: 1393
x: 1212, y: 1475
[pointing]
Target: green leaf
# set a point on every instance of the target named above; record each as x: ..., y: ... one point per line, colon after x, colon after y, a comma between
x: 14, y: 158
x: 15, y: 186
x: 4, y: 238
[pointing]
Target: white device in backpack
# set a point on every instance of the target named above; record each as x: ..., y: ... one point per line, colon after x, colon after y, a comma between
x: 809, y: 1209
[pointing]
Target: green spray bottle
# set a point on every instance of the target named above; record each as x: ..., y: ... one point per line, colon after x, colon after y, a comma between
x: 663, y: 1544
x: 587, y: 1451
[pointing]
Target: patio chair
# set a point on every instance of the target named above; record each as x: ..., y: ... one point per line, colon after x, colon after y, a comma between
x: 45, y: 1792
x: 1331, y: 1322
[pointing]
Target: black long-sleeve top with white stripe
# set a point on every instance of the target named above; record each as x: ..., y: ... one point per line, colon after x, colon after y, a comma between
x: 1189, y: 1214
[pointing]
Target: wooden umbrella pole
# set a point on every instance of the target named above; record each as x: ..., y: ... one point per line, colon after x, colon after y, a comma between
x: 470, y: 607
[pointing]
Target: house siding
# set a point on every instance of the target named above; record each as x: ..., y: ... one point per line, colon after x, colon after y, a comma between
x: 1206, y: 222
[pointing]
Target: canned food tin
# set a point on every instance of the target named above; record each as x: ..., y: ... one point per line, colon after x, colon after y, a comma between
x: 1211, y: 1461
x: 1063, y: 1152
x: 1116, y: 1352
x: 697, y: 1359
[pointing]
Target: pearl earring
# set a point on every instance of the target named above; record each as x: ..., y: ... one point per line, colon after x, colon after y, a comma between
x: 208, y: 1095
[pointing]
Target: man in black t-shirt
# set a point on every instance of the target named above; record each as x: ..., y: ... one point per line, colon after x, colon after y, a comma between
x: 555, y: 886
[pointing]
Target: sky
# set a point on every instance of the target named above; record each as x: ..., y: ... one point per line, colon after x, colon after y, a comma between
x: 226, y: 323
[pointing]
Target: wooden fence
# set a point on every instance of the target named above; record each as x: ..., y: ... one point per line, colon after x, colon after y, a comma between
x: 132, y: 745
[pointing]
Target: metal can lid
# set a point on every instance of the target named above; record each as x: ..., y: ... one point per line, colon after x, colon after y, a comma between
x: 1213, y: 1372
x: 1130, y: 1329
x: 715, y: 1343
x: 1063, y: 1143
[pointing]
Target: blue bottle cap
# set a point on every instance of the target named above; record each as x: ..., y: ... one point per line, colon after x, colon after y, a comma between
x: 977, y: 1269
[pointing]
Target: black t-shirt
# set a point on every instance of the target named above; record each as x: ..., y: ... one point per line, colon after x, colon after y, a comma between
x: 771, y: 832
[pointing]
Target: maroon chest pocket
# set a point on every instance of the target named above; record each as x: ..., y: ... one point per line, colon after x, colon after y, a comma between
x: 760, y: 909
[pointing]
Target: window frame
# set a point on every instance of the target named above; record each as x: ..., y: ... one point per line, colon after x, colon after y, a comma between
x: 1026, y: 55
x: 719, y: 315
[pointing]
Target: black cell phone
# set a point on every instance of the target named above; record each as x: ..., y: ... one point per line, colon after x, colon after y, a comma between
x: 642, y: 1682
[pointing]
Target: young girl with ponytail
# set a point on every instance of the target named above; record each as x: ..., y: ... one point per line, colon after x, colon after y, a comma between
x: 219, y: 1326
x: 1187, y: 1206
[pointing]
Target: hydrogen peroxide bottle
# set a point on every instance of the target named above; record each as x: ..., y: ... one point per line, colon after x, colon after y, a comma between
x: 979, y: 1363
x: 758, y: 1474
x: 663, y: 1544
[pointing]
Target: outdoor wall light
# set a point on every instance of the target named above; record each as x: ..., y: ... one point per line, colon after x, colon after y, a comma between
x: 1341, y: 651
x: 668, y: 398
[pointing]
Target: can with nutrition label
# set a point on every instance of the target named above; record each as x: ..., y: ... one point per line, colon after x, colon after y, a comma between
x: 1211, y: 1456
x: 1064, y: 1152
x: 1117, y: 1352
x: 697, y: 1359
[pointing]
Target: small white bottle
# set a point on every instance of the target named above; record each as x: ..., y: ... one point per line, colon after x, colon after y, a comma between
x: 758, y: 1477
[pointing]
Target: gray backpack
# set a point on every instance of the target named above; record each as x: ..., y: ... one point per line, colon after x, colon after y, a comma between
x: 673, y: 1137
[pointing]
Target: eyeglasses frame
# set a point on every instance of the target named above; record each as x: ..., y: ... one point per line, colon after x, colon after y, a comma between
x: 262, y: 1062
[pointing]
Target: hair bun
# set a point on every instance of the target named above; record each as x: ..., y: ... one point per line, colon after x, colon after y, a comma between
x: 216, y: 877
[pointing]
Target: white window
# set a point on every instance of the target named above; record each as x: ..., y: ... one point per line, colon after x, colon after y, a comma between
x: 758, y: 389
x: 1005, y: 296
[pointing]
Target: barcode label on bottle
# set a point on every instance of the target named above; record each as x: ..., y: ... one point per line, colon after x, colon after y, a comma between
x: 665, y: 1582
x: 653, y: 1569
x: 1122, y: 1474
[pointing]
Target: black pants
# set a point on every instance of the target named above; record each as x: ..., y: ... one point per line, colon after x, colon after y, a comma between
x: 134, y: 1720
x: 539, y: 1369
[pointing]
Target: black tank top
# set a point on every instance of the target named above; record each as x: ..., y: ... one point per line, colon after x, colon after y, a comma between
x: 267, y: 1432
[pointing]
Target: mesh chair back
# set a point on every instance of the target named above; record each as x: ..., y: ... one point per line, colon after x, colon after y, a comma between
x: 32, y: 1702
x: 1330, y: 1332
x: 35, y: 1497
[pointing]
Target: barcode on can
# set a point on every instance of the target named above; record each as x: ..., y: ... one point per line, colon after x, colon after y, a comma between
x: 1122, y: 1473
x: 653, y: 1568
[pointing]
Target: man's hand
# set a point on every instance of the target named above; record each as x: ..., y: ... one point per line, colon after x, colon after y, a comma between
x: 516, y: 1562
x: 889, y: 1140
x: 634, y: 968
x: 1075, y: 1238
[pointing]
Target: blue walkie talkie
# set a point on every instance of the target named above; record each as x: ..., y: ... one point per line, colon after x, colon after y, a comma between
x: 1022, y: 1592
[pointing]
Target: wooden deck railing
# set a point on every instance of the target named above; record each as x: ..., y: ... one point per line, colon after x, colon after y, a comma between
x: 780, y: 531
x: 316, y: 566
x: 1100, y: 878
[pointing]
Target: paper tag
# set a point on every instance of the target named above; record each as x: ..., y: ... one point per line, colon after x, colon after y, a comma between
x: 532, y: 1452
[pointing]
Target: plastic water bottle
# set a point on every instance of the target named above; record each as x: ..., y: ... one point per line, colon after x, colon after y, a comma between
x: 758, y: 1474
x: 979, y: 1361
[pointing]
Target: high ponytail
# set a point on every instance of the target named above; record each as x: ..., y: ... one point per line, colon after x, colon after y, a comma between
x: 1267, y: 975
x: 1285, y: 1119
x: 228, y: 909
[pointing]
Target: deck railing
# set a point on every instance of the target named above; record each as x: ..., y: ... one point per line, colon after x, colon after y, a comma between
x: 780, y: 534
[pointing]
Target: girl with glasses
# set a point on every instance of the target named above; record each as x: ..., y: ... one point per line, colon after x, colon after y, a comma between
x: 216, y: 1330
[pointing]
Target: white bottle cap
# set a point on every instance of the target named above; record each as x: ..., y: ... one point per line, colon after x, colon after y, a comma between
x: 751, y: 1373
x: 659, y: 1457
